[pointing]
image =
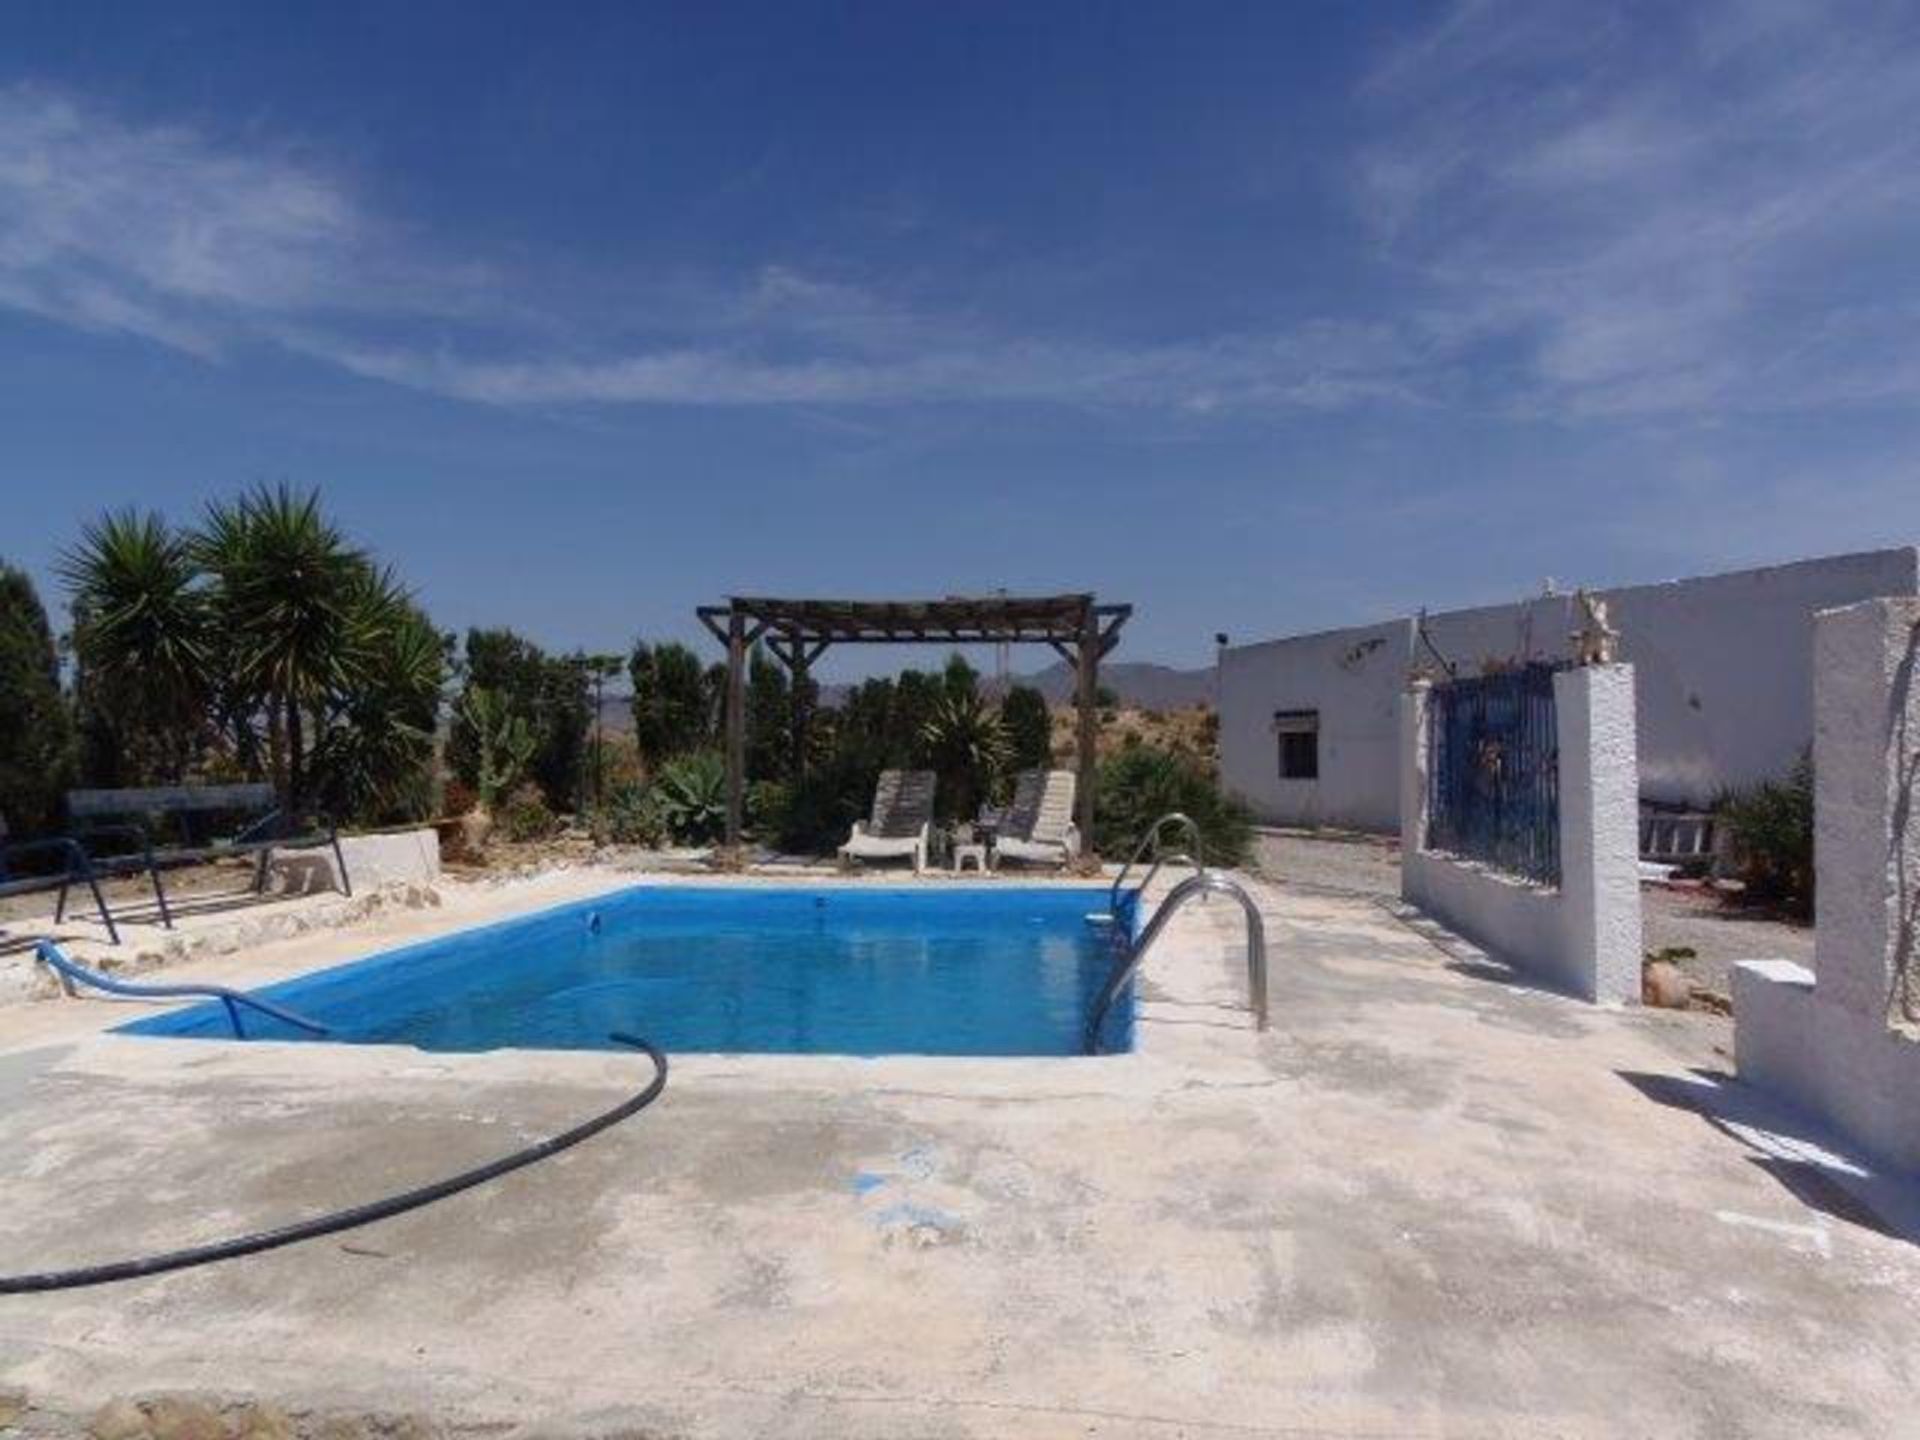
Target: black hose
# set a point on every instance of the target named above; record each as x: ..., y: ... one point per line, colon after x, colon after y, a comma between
x: 355, y: 1216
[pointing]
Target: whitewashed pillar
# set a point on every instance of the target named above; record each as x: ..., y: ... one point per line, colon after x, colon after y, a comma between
x: 1415, y: 759
x: 1866, y: 751
x: 1599, y: 830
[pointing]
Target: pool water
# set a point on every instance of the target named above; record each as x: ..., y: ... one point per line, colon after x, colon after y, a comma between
x: 1001, y: 970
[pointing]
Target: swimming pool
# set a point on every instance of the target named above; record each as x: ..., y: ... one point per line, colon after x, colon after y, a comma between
x: 999, y: 970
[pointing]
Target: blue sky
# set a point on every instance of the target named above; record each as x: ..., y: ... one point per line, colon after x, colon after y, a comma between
x: 1265, y: 318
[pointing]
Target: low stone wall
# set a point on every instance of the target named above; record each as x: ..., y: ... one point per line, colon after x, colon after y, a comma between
x: 147, y: 946
x: 1582, y: 936
x: 1840, y: 1040
x: 407, y: 857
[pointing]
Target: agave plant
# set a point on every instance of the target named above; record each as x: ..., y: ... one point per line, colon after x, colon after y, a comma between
x: 691, y: 797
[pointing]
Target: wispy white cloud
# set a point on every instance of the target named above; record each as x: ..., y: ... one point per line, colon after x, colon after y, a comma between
x: 907, y: 359
x: 156, y: 232
x: 1696, y: 213
x: 1702, y: 209
x: 164, y: 233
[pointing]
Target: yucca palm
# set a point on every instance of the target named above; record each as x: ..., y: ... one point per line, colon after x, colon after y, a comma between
x: 966, y: 744
x: 142, y: 632
x: 291, y: 601
x: 374, y: 755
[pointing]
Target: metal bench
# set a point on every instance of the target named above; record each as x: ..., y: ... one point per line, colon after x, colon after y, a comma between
x: 1677, y: 837
x: 101, y: 815
x: 76, y: 867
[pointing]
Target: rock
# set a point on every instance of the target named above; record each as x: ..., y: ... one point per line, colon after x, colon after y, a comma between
x: 262, y: 1422
x: 1712, y: 1000
x: 169, y: 1418
x: 1664, y: 986
x: 475, y: 826
x: 118, y: 1419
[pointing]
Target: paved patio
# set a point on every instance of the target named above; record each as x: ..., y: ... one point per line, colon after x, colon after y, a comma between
x: 1428, y: 1202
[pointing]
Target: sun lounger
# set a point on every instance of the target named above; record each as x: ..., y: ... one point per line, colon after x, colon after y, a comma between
x: 1039, y: 827
x: 901, y: 822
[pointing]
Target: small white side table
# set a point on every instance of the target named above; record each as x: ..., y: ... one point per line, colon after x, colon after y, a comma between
x: 977, y: 853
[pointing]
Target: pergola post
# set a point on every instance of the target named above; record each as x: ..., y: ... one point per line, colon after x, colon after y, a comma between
x: 736, y: 724
x: 802, y: 709
x: 1089, y: 691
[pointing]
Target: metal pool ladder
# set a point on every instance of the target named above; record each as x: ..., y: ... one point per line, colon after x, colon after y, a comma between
x: 1195, y: 854
x: 1203, y: 883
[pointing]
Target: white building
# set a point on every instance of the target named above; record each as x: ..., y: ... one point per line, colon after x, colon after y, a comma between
x: 1308, y: 724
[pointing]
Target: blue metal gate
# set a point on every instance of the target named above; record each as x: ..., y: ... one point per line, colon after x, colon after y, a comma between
x: 1493, y: 782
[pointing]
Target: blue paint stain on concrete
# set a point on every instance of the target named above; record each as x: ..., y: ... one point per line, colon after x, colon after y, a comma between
x: 909, y: 1215
x: 865, y: 1182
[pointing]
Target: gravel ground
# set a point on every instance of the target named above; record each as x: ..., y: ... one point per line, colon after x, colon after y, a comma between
x: 1360, y: 864
x: 1718, y: 934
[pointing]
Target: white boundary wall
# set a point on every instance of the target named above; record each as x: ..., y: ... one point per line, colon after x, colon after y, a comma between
x: 1584, y: 936
x: 398, y: 857
x: 1826, y: 1039
x: 1723, y: 683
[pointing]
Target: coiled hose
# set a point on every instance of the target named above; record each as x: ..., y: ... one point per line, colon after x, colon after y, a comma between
x: 351, y: 1218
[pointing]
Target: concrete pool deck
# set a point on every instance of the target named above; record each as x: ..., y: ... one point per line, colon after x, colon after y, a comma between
x: 1428, y: 1202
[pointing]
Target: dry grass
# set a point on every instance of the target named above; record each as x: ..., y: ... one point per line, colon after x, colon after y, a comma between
x: 1191, y: 731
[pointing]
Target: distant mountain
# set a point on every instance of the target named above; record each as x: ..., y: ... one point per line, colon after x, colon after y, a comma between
x: 1138, y: 684
x: 616, y: 714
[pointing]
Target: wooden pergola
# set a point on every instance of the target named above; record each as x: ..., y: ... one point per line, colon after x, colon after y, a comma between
x: 1078, y: 628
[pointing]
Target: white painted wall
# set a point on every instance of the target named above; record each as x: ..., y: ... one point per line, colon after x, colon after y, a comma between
x: 1723, y: 666
x: 1844, y: 1045
x: 1582, y: 936
x: 1353, y: 678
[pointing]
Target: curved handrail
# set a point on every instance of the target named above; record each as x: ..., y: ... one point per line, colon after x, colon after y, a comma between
x: 1195, y: 855
x: 1161, y: 857
x: 50, y: 955
x: 1200, y: 884
x: 79, y: 867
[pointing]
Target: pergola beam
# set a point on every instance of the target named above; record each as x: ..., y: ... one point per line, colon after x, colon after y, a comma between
x: 1076, y: 627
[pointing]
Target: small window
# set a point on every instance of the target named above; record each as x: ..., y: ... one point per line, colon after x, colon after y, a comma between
x: 1299, y: 732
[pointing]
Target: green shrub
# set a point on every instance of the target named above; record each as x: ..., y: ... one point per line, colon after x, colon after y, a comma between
x: 632, y: 817
x: 550, y: 692
x: 823, y: 804
x: 672, y: 713
x: 35, y: 729
x: 1769, y: 827
x: 1029, y: 728
x: 527, y: 815
x: 1141, y: 783
x: 767, y: 804
x: 691, y: 796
